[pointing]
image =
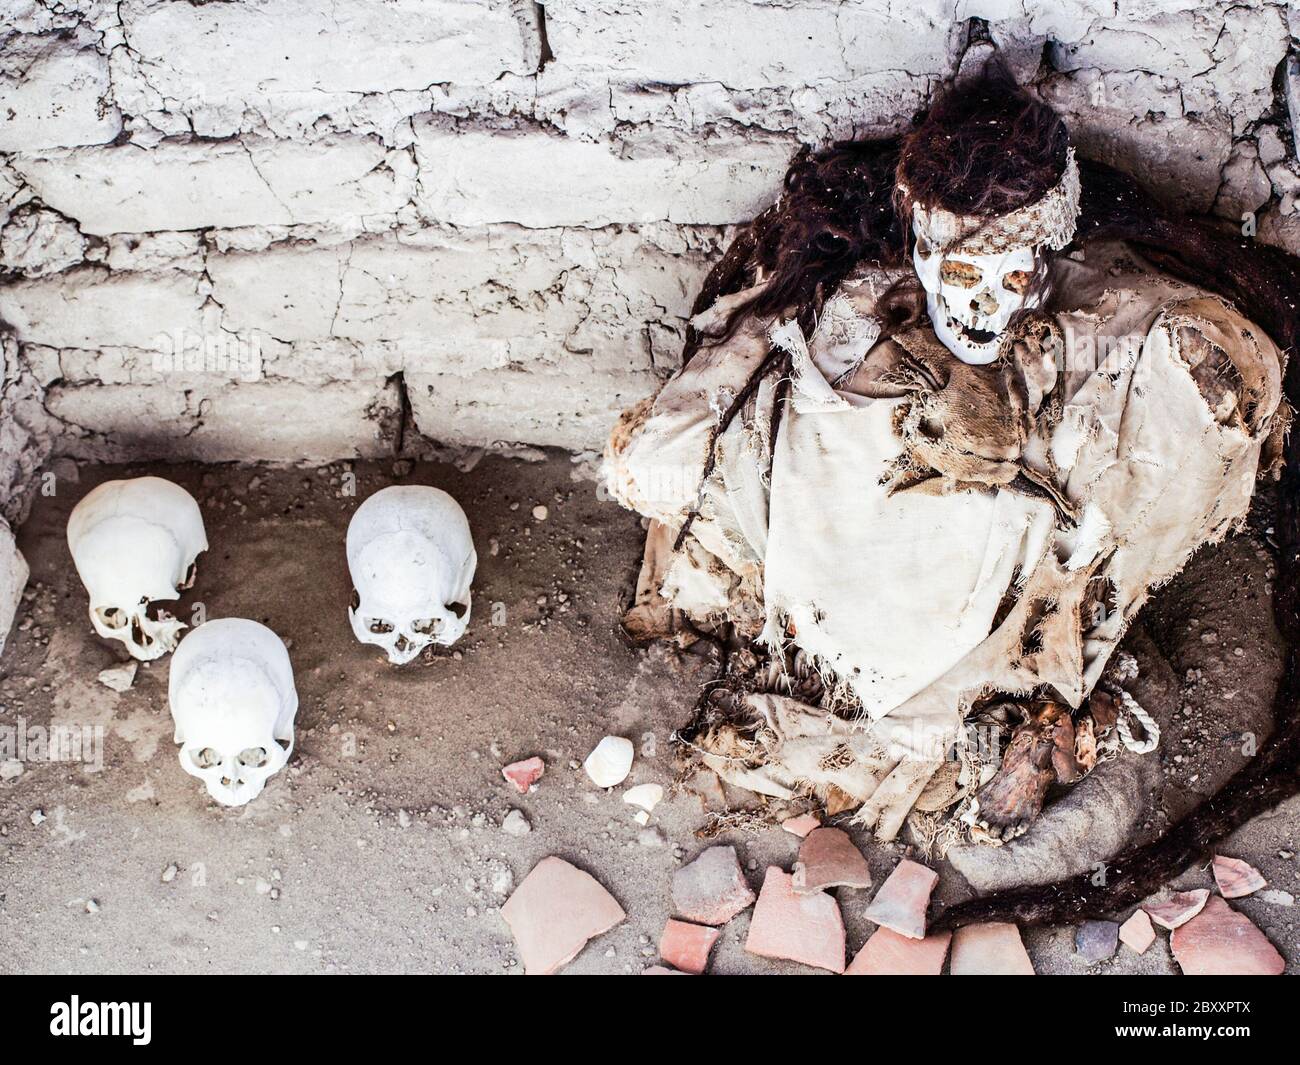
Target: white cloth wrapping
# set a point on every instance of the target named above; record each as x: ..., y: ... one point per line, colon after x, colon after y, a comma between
x: 923, y: 601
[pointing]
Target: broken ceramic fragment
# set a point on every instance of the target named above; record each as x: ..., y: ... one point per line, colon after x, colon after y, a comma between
x: 887, y: 953
x: 555, y: 911
x: 800, y: 826
x: 1177, y: 909
x: 1236, y: 878
x: 712, y: 889
x: 1137, y: 932
x: 524, y: 774
x: 793, y: 927
x: 993, y: 949
x: 686, y: 946
x: 828, y: 858
x: 1219, y: 941
x: 902, y: 900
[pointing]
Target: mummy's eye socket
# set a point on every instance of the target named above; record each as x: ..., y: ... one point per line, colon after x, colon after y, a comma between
x: 1017, y: 281
x: 959, y: 274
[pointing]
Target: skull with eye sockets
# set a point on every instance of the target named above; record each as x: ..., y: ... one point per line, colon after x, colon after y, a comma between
x: 971, y: 298
x: 135, y: 542
x: 978, y: 271
x: 412, y: 562
x: 233, y: 701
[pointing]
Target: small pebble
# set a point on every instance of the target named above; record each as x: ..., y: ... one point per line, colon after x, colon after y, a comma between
x: 516, y: 824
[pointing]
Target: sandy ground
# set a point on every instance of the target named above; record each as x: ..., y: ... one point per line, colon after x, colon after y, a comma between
x: 379, y: 849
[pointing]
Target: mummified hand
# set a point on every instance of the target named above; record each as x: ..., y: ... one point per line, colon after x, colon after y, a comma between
x: 1041, y: 753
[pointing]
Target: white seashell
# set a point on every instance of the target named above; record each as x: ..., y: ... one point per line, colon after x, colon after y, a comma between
x: 609, y: 764
x: 646, y: 796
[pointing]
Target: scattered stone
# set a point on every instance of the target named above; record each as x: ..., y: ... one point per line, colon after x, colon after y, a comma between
x: 11, y: 769
x: 503, y: 880
x: 828, y: 858
x: 92, y: 906
x: 37, y: 817
x: 712, y: 889
x: 1137, y: 931
x: 887, y: 953
x: 646, y: 796
x: 902, y: 900
x: 1178, y: 909
x: 804, y: 928
x: 993, y: 949
x: 516, y: 824
x: 1277, y: 898
x: 119, y: 678
x: 1219, y: 941
x: 555, y: 911
x: 541, y: 512
x: 609, y: 764
x: 169, y: 874
x: 686, y: 946
x: 652, y: 837
x: 1236, y: 878
x: 523, y: 775
x: 1096, y: 941
x: 800, y: 826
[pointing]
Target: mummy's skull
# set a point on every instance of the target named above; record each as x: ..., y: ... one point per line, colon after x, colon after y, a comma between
x: 971, y: 298
x: 135, y: 542
x: 412, y: 561
x: 233, y: 702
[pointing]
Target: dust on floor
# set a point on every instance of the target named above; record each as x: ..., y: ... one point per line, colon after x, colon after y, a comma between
x: 380, y: 848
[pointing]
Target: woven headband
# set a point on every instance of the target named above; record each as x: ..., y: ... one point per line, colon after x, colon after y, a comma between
x: 1047, y: 222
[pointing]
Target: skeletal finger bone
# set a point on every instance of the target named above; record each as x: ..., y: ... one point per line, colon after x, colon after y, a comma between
x: 233, y: 702
x: 135, y: 542
x: 412, y: 562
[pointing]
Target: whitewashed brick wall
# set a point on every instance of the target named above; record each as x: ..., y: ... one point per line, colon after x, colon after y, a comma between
x: 482, y: 221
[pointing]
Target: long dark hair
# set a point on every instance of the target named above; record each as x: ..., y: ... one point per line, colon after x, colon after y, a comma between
x: 986, y: 148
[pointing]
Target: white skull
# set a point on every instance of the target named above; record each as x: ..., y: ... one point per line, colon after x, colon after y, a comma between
x: 233, y: 701
x: 971, y: 298
x: 135, y: 542
x: 412, y: 561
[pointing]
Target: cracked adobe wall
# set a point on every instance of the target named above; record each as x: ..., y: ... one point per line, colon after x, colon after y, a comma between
x: 247, y: 229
